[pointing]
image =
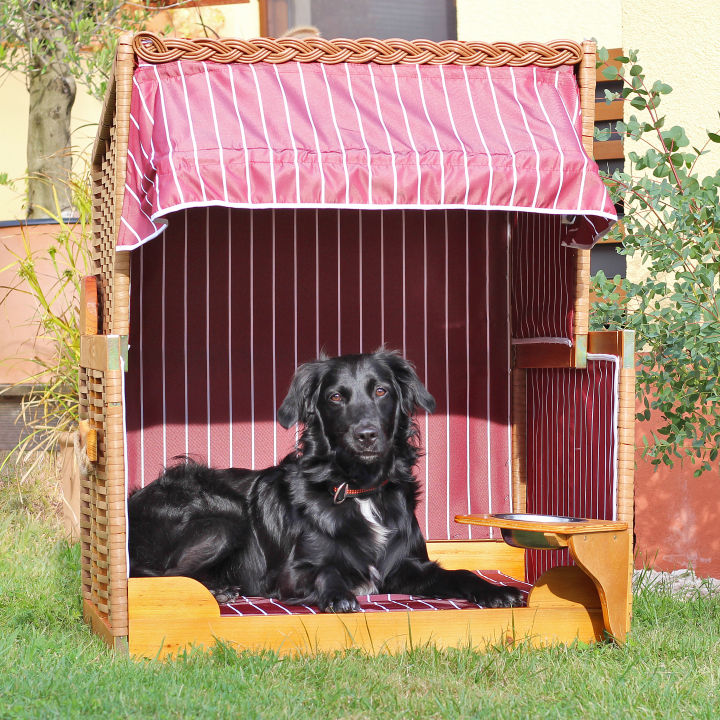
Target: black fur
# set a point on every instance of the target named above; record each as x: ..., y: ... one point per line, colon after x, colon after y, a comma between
x: 278, y: 532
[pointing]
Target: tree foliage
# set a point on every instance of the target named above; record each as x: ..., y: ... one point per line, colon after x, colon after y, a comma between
x: 672, y: 221
x: 37, y: 34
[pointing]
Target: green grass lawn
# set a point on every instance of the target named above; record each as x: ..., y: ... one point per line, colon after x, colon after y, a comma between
x: 50, y: 665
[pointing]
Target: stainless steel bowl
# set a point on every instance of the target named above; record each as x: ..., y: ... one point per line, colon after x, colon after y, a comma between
x: 533, y: 539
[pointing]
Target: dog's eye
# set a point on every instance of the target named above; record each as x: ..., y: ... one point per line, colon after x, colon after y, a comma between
x: 379, y: 392
x: 336, y: 397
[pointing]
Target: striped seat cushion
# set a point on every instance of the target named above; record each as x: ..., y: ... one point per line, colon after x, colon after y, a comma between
x: 246, y: 606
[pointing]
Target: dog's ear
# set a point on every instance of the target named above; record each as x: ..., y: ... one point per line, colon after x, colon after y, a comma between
x: 413, y: 393
x: 302, y: 397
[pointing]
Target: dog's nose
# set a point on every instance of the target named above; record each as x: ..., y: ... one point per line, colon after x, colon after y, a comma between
x: 366, y: 435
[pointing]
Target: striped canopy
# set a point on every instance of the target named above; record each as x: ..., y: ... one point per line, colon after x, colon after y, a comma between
x: 361, y: 136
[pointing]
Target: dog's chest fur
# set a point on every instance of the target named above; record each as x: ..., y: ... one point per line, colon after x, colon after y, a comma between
x: 379, y: 534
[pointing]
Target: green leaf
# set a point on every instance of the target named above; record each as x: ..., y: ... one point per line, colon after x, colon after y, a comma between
x: 714, y: 137
x: 635, y: 70
x: 639, y: 103
x: 610, y: 72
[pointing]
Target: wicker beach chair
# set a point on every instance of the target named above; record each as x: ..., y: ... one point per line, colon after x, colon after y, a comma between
x: 256, y: 203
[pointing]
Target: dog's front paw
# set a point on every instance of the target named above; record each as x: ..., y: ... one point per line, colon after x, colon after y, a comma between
x: 498, y: 596
x: 340, y: 602
x: 225, y: 595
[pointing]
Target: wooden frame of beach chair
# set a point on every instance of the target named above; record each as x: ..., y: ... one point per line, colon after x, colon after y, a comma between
x: 586, y: 601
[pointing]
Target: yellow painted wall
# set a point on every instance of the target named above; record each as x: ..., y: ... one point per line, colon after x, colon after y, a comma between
x: 540, y: 20
x: 677, y: 43
x: 232, y: 20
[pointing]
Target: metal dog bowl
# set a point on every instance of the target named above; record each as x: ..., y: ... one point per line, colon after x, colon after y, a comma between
x: 533, y: 539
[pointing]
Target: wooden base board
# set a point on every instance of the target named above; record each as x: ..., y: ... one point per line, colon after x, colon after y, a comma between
x: 169, y: 614
x: 374, y: 633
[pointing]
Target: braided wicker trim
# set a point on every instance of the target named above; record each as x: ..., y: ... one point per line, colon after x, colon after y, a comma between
x: 154, y: 49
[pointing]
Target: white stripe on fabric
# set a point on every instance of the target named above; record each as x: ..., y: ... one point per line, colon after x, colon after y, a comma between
x: 317, y: 285
x: 192, y: 134
x: 532, y: 138
x: 467, y: 366
x: 452, y: 123
x: 579, y: 142
x: 360, y: 275
x: 339, y: 323
x: 404, y: 292
x: 252, y: 340
x: 507, y: 140
x: 242, y: 134
x: 252, y: 604
x: 282, y: 607
x: 409, y: 132
x: 274, y: 348
x: 142, y: 100
x: 615, y: 419
x: 435, y: 135
x: 162, y: 354
x: 142, y: 371
x: 554, y: 132
x: 488, y: 365
x: 387, y: 135
x: 425, y: 344
x: 382, y: 277
x: 267, y: 139
x: 207, y: 327
x: 230, y: 335
x: 447, y: 375
x: 217, y: 133
x: 315, y: 135
x: 290, y: 132
x: 482, y: 137
x: 129, y: 227
x: 362, y: 133
x: 137, y: 199
x: 339, y: 137
x: 508, y: 350
x: 162, y: 212
x: 185, y: 336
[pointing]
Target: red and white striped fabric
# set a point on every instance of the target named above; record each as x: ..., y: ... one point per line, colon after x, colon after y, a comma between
x: 572, y: 443
x: 370, y: 136
x: 227, y: 303
x: 370, y: 603
x: 543, y: 274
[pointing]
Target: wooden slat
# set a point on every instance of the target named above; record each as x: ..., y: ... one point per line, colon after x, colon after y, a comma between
x: 543, y: 355
x: 88, y: 321
x: 608, y: 150
x: 564, y: 585
x: 613, y: 111
x: 579, y: 528
x: 479, y: 555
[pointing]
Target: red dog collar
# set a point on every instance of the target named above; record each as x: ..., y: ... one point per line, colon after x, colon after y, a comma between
x: 341, y: 491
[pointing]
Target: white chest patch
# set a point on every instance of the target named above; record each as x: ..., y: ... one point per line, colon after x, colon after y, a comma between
x: 372, y: 517
x: 380, y: 533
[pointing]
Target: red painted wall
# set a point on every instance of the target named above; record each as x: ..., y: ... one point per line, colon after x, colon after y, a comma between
x: 677, y: 516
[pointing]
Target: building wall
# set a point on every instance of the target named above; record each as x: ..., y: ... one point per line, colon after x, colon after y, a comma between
x: 544, y: 20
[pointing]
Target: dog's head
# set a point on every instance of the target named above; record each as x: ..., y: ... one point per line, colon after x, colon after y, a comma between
x: 359, y: 402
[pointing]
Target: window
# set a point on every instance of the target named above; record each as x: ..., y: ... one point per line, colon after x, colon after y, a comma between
x: 409, y: 19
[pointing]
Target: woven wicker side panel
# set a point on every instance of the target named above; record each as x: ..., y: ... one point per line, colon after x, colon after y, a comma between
x: 113, y: 458
x: 94, y: 519
x: 103, y: 235
x: 86, y: 486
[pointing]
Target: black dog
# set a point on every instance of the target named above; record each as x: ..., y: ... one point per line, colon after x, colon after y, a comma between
x: 334, y: 520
